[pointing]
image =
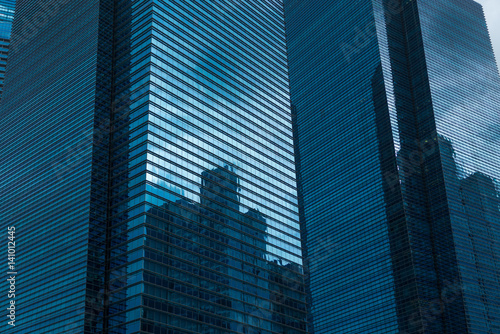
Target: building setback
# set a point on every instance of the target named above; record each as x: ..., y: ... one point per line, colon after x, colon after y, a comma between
x: 148, y: 167
x: 397, y: 124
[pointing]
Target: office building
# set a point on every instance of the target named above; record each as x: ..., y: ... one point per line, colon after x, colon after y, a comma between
x: 397, y: 119
x: 148, y: 167
x: 7, y: 8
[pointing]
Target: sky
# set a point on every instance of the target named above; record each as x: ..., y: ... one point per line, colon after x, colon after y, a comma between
x: 492, y: 12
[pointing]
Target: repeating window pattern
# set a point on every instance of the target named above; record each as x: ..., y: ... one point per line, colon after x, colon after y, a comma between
x: 205, y: 235
x: 53, y: 150
x: 335, y: 69
x: 408, y: 103
x: 7, y: 8
x: 465, y: 91
x: 159, y: 161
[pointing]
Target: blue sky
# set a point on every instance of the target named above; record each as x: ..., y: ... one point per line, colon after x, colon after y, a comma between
x: 492, y: 12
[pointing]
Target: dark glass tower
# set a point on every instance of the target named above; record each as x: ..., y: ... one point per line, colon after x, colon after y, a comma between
x: 397, y: 107
x: 7, y: 8
x: 149, y: 169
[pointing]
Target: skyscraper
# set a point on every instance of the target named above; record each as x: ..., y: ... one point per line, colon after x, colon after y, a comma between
x: 148, y: 167
x: 397, y: 107
x: 7, y: 8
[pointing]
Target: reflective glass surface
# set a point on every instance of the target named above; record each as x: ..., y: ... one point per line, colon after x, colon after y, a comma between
x: 7, y: 8
x: 397, y: 106
x: 465, y: 91
x: 54, y: 162
x: 205, y: 235
x: 156, y: 140
x: 337, y: 89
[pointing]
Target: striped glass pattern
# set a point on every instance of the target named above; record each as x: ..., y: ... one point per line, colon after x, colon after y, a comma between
x: 465, y: 91
x: 338, y: 93
x: 54, y: 162
x: 7, y: 8
x: 150, y: 168
x: 204, y: 231
x: 397, y: 128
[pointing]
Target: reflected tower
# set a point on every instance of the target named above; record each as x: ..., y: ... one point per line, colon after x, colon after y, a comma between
x: 218, y: 275
x: 397, y: 127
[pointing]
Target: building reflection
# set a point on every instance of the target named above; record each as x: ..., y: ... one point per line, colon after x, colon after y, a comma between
x: 209, y: 264
x: 443, y: 230
x: 475, y: 224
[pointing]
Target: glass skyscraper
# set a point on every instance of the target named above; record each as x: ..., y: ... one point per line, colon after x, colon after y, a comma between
x: 7, y: 8
x: 397, y: 107
x: 148, y: 168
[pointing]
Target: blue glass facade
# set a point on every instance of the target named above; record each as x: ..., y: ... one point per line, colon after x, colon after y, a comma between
x: 7, y: 8
x: 346, y: 235
x: 151, y: 172
x: 205, y: 222
x: 465, y: 93
x: 396, y: 107
x: 54, y: 161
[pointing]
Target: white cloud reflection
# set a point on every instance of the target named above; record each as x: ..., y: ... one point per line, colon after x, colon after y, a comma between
x: 492, y: 12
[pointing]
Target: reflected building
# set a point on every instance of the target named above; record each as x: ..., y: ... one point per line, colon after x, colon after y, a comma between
x: 397, y: 127
x: 209, y: 271
x: 286, y: 289
x: 118, y: 119
x: 475, y: 218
